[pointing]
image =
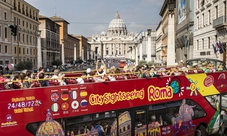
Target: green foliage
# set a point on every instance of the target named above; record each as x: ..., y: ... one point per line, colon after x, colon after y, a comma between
x: 132, y: 60
x: 56, y: 62
x: 79, y: 61
x: 24, y: 65
x: 142, y: 62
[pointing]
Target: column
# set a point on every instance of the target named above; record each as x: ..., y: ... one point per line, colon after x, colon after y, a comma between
x: 149, y: 48
x: 88, y: 55
x: 171, y: 42
x: 74, y: 51
x: 133, y: 52
x: 39, y: 54
x: 136, y: 52
x: 82, y: 54
x: 141, y: 50
x: 62, y: 52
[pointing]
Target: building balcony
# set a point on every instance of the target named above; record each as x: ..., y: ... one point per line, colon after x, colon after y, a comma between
x: 220, y: 24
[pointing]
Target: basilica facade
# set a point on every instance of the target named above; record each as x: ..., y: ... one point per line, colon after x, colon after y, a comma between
x: 116, y: 42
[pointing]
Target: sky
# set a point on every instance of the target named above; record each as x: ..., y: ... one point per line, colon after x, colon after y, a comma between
x: 88, y: 17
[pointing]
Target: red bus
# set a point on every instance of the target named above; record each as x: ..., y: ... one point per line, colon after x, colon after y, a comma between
x: 191, y: 104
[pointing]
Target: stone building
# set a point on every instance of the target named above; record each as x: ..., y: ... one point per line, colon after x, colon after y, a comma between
x: 184, y: 30
x: 49, y: 40
x: 23, y: 46
x: 210, y: 29
x: 168, y: 23
x: 115, y: 42
x: 68, y: 42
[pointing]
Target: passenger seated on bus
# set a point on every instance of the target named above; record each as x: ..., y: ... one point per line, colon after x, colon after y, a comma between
x: 80, y: 80
x: 211, y: 67
x: 42, y: 80
x: 58, y: 76
x: 146, y: 73
x: 155, y: 123
x: 169, y: 117
x: 102, y: 70
x: 97, y: 125
x: 2, y: 80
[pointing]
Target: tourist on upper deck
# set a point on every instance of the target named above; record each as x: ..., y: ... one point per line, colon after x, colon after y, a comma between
x: 102, y: 70
x: 42, y: 80
x: 2, y: 80
x: 58, y: 76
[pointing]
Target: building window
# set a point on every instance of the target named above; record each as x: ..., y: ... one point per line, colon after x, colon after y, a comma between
x: 208, y: 43
x: 203, y: 20
x: 0, y: 14
x: 6, y: 49
x: 0, y: 48
x: 209, y: 22
x: 202, y: 43
x: 23, y: 23
x: 0, y: 31
x: 15, y: 50
x: 19, y: 50
x: 197, y: 44
x: 30, y: 39
x: 6, y: 32
x: 23, y: 38
x: 5, y: 15
x: 27, y: 51
x: 23, y: 50
x: 197, y: 22
x: 27, y: 38
x: 216, y: 12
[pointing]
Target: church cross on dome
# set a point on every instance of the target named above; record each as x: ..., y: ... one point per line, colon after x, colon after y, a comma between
x: 117, y: 16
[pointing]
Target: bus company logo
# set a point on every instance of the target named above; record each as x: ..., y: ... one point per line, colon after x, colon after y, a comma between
x: 208, y: 81
x: 65, y: 96
x: 54, y: 97
x: 156, y: 93
x: 9, y: 121
x: 9, y: 118
x: 112, y: 98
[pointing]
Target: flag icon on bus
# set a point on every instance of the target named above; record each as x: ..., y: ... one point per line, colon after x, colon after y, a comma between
x: 55, y: 107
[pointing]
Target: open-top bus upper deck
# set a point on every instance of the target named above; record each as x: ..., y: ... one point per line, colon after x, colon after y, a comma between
x: 21, y: 108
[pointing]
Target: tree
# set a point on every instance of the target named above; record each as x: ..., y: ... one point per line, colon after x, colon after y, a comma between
x: 56, y: 62
x: 24, y: 65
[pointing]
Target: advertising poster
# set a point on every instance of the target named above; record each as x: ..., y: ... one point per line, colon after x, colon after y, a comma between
x: 181, y: 10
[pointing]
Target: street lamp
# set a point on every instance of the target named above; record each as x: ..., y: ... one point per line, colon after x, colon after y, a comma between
x: 62, y: 51
x: 39, y: 50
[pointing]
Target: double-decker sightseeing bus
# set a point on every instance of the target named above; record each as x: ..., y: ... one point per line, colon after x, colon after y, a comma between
x: 188, y: 104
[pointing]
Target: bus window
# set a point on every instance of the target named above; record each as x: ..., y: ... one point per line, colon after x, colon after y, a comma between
x: 91, y: 124
x: 124, y: 124
x: 224, y: 102
x: 140, y: 122
x: 197, y: 109
x: 214, y: 101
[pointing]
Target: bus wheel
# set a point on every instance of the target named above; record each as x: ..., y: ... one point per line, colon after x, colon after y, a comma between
x: 201, y: 131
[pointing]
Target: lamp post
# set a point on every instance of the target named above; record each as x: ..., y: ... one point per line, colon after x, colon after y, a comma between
x: 39, y: 50
x: 62, y: 51
x: 101, y: 50
x: 75, y: 52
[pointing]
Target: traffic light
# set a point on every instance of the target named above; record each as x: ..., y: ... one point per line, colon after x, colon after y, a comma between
x: 13, y: 30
